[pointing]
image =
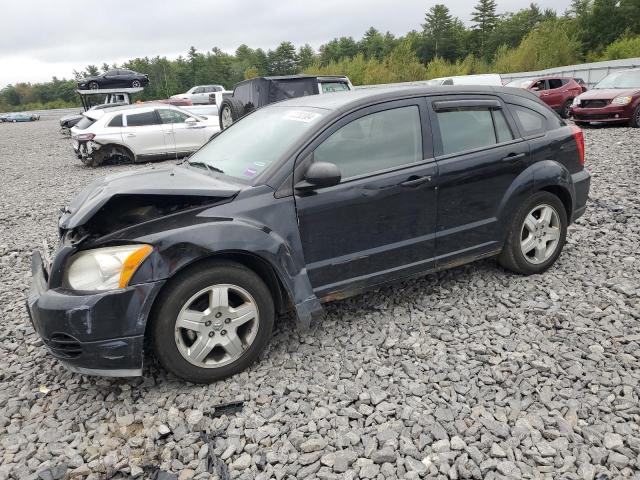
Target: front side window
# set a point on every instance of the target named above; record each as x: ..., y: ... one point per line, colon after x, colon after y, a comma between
x: 469, y: 128
x: 199, y: 90
x: 172, y: 116
x: 141, y: 119
x: 375, y: 142
x: 111, y: 73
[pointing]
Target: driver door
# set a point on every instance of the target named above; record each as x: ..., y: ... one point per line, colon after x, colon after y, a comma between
x: 379, y: 221
x: 187, y: 137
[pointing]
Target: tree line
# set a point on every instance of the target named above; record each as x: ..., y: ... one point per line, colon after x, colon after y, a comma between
x: 524, y: 40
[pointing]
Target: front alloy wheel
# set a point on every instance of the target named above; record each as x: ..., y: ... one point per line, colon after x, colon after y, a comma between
x: 94, y: 86
x: 216, y: 326
x: 136, y: 84
x: 212, y: 321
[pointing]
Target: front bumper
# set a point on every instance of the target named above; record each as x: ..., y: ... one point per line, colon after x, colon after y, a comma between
x: 99, y: 333
x: 581, y: 184
x: 609, y: 114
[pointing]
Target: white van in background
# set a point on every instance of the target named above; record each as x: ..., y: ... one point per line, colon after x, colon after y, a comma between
x: 483, y: 79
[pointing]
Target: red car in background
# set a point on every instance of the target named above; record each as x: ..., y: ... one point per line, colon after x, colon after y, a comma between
x: 557, y: 92
x: 615, y: 99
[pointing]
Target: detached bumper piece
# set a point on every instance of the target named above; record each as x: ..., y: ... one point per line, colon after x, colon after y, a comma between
x: 581, y: 182
x: 95, y: 333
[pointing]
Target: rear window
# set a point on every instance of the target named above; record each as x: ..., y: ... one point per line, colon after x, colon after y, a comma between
x: 529, y: 121
x: 115, y: 121
x: 470, y: 128
x: 328, y: 87
x: 85, y: 123
x: 142, y: 119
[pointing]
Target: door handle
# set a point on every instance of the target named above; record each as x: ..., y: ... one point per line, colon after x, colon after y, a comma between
x: 414, y: 181
x: 513, y: 156
x: 131, y: 134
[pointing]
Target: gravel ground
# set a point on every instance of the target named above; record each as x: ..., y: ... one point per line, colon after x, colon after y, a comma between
x: 471, y: 373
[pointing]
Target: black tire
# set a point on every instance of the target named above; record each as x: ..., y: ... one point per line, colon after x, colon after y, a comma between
x: 512, y: 258
x: 564, y: 111
x: 235, y: 108
x: 91, y: 162
x: 93, y: 85
x: 634, y: 122
x: 136, y: 84
x: 182, y: 287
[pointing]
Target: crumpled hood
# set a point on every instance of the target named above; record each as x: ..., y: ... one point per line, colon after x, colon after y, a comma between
x: 608, y: 93
x: 174, y: 180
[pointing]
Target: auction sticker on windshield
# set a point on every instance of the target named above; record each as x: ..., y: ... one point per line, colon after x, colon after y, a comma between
x: 301, y: 116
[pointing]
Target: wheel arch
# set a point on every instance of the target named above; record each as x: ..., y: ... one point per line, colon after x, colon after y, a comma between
x: 260, y: 266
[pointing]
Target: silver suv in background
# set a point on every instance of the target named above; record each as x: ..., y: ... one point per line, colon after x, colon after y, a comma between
x: 140, y: 133
x: 199, y: 94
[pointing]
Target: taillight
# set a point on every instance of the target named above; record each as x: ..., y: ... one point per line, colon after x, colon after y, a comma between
x: 84, y: 137
x: 579, y: 137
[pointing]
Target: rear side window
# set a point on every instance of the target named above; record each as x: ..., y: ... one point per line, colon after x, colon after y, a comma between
x: 464, y: 129
x: 375, y: 142
x: 142, y: 119
x: 85, y: 123
x: 529, y: 121
x: 555, y: 83
x: 116, y: 121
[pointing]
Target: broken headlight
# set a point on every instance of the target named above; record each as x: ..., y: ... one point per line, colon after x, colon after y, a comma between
x: 106, y: 268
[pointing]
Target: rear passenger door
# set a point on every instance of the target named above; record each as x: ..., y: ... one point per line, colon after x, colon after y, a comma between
x: 145, y: 136
x: 479, y: 155
x: 553, y: 95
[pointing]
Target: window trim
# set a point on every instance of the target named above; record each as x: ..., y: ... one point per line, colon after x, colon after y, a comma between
x: 519, y: 124
x: 328, y: 130
x: 471, y: 100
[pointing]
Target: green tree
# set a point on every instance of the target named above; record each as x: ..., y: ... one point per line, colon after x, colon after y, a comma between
x: 306, y: 56
x: 372, y: 44
x: 438, y: 32
x: 485, y: 19
x: 283, y: 60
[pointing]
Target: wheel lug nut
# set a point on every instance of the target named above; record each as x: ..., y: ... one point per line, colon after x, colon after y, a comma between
x: 223, y: 332
x: 218, y: 315
x: 211, y: 334
x: 208, y: 324
x: 227, y: 320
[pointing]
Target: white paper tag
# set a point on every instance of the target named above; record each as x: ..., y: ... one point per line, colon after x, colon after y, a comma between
x: 301, y: 116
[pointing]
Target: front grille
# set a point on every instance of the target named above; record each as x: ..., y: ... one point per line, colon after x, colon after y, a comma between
x: 594, y: 116
x: 63, y: 345
x: 594, y: 103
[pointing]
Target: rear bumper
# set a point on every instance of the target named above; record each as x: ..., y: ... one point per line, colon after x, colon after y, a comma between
x: 581, y: 184
x: 99, y: 333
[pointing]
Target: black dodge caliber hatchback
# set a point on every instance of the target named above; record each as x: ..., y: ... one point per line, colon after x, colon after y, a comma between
x: 299, y: 203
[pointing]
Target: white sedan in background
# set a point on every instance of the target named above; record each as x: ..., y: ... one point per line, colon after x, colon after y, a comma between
x: 140, y: 133
x: 199, y: 94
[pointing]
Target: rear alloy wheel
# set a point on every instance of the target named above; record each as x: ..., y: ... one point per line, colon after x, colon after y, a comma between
x: 537, y: 235
x: 93, y: 86
x: 564, y: 111
x: 225, y: 117
x: 212, y: 322
x: 136, y: 84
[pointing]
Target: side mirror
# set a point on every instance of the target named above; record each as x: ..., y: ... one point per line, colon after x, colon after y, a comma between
x: 191, y: 122
x: 319, y: 175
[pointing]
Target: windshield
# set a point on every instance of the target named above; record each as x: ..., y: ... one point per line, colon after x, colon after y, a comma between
x: 628, y: 79
x: 520, y: 83
x: 328, y: 87
x: 249, y: 147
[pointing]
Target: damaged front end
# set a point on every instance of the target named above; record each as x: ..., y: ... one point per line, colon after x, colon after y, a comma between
x: 95, y: 323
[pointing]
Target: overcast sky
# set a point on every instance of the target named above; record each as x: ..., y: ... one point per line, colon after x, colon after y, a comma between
x: 42, y: 38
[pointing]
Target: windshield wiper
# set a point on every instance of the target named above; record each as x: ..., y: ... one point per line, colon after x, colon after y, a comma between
x: 210, y: 168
